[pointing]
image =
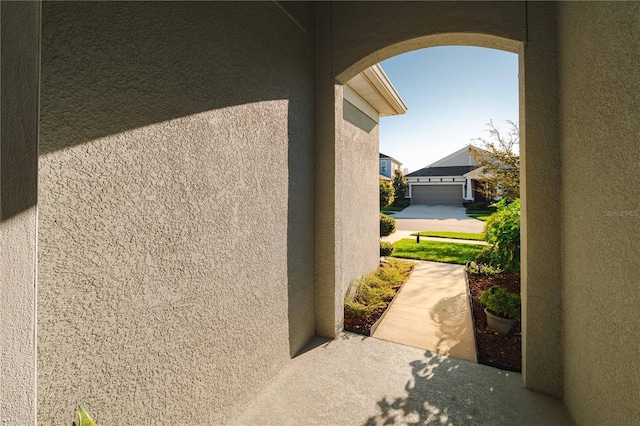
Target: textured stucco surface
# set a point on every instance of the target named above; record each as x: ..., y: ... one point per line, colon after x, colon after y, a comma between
x: 357, y: 158
x: 540, y: 212
x: 19, y: 68
x: 599, y: 61
x: 176, y: 208
x: 328, y: 248
x: 365, y: 33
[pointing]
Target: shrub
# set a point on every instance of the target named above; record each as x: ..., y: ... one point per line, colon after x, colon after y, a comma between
x: 502, y: 232
x: 405, y: 202
x: 483, y: 206
x: 501, y: 302
x: 387, y: 225
x: 385, y: 248
x: 474, y: 268
x: 386, y: 193
x: 400, y: 185
x: 375, y: 290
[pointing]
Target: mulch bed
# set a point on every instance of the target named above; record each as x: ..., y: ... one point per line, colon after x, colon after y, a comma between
x: 495, y: 349
x: 362, y: 325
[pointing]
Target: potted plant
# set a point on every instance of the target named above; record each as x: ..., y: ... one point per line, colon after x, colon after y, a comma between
x: 502, y: 308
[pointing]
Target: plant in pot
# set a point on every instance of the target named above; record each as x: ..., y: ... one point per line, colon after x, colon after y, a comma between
x: 502, y: 308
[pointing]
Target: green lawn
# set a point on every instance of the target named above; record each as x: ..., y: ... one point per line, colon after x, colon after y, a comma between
x: 436, y: 251
x: 480, y: 212
x: 482, y: 217
x: 392, y: 209
x: 457, y: 235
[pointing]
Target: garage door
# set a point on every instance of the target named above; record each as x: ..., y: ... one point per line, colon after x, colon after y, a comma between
x: 436, y: 194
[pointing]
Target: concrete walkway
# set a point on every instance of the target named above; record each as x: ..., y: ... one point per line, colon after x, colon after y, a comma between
x: 432, y: 312
x: 356, y: 380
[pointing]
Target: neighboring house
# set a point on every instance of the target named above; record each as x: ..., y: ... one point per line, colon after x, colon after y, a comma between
x: 449, y: 181
x: 388, y: 166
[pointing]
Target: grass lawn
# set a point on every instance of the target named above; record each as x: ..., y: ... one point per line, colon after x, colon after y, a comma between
x: 480, y: 212
x: 446, y: 234
x: 481, y: 217
x: 391, y: 209
x: 436, y: 251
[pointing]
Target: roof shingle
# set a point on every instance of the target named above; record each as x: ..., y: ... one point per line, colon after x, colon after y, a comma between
x: 442, y: 171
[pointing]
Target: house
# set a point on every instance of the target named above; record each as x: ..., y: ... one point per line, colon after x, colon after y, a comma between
x: 388, y: 166
x: 174, y: 183
x: 448, y: 181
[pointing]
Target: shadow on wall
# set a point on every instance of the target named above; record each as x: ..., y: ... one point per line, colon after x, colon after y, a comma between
x: 108, y: 68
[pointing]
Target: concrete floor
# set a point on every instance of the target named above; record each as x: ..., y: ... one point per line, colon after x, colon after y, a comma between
x: 432, y: 312
x: 357, y: 380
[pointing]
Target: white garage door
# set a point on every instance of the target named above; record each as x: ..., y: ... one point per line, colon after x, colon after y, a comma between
x: 436, y: 194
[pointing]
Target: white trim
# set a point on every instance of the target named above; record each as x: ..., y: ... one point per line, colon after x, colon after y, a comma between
x: 469, y: 195
x: 386, y: 157
x: 375, y: 89
x: 475, y: 173
x: 356, y: 100
x: 379, y: 79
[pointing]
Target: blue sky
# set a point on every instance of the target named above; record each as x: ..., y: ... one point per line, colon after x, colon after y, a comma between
x: 451, y: 93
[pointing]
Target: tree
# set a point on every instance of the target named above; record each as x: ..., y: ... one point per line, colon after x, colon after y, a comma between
x: 400, y: 184
x: 501, y: 165
x: 386, y: 193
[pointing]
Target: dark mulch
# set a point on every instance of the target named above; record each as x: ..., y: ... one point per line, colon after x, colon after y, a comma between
x: 494, y: 349
x: 361, y: 325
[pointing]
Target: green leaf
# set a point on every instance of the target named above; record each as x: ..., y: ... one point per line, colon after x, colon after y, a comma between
x: 84, y: 419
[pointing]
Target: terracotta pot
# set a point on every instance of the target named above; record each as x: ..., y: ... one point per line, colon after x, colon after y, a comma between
x: 499, y: 324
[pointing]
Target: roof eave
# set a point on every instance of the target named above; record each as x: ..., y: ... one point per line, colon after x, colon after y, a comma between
x: 375, y: 88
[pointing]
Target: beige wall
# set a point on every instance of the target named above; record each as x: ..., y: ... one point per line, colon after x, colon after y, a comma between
x: 365, y: 33
x: 540, y: 209
x: 599, y: 62
x: 176, y: 208
x: 20, y: 22
x: 357, y: 176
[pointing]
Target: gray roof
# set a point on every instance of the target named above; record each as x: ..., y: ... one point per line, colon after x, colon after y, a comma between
x: 442, y: 171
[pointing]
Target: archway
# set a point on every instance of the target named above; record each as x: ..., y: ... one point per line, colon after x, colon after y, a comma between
x: 356, y: 36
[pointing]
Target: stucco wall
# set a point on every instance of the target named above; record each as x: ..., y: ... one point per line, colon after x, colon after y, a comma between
x: 540, y: 185
x: 365, y: 33
x: 599, y: 59
x: 357, y: 146
x: 19, y: 69
x: 176, y: 208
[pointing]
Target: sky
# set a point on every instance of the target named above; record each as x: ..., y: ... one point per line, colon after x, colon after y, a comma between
x: 451, y: 93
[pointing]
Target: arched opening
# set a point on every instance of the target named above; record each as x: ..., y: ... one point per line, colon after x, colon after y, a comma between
x: 451, y: 93
x: 353, y: 49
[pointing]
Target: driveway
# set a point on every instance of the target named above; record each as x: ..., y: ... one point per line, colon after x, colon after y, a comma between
x: 436, y: 218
